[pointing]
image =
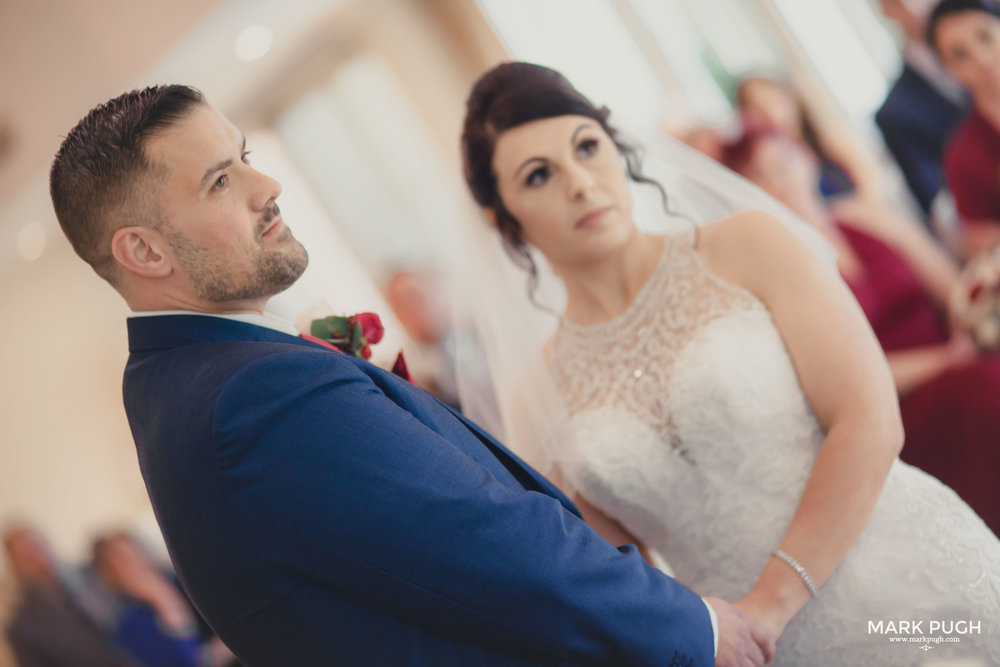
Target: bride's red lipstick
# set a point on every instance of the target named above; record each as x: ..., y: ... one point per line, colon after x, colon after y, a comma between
x: 593, y: 218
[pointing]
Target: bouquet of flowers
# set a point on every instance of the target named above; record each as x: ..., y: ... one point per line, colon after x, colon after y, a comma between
x: 975, y: 301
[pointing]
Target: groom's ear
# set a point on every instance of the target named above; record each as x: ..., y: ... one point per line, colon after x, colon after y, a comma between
x: 141, y: 250
x: 491, y: 215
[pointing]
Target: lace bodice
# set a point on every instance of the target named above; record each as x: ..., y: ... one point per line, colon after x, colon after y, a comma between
x: 689, y: 426
x: 615, y: 363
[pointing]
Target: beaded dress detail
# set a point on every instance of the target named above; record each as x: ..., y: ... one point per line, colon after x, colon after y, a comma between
x: 687, y: 424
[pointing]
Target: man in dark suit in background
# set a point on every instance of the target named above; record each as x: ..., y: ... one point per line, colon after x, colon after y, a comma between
x: 51, y: 624
x: 922, y: 108
x: 319, y: 510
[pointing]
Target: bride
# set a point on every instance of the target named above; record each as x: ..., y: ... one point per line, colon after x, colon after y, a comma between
x: 714, y: 393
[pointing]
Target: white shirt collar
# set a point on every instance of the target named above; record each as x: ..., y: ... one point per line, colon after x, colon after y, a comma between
x: 266, y: 320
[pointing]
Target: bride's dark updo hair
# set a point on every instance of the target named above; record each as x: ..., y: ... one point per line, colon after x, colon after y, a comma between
x: 507, y: 96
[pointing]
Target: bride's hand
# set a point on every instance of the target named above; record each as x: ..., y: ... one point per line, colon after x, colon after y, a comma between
x: 765, y: 613
x: 740, y: 640
x: 778, y: 595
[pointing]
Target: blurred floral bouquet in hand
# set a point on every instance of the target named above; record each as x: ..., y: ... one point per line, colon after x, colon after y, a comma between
x: 975, y: 301
x: 353, y: 334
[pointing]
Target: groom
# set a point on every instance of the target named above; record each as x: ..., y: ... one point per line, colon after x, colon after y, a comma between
x: 320, y: 511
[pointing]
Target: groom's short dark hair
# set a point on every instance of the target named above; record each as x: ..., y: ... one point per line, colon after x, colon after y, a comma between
x: 100, y: 178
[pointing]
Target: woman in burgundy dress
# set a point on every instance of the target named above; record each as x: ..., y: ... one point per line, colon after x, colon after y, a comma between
x: 949, y: 392
x: 966, y: 36
x: 844, y: 169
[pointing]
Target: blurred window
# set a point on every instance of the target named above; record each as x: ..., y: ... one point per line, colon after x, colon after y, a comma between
x: 700, y: 48
x: 368, y: 154
x: 590, y: 43
x: 706, y: 54
x: 847, y: 48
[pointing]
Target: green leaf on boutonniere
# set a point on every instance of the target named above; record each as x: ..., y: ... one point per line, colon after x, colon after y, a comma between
x: 333, y: 328
x: 353, y: 334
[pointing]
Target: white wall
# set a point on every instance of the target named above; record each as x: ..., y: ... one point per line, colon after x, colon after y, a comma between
x: 67, y: 460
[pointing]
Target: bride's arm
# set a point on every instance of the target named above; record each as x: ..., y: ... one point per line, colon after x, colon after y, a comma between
x: 608, y: 528
x: 846, y: 379
x: 915, y: 366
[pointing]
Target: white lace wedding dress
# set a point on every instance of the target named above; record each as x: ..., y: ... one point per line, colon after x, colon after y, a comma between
x: 689, y: 426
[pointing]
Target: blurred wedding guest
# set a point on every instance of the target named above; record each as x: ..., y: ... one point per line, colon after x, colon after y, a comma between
x: 844, y: 167
x: 419, y: 299
x: 153, y: 620
x: 49, y: 626
x: 923, y: 107
x: 948, y: 391
x: 966, y: 36
x: 706, y: 139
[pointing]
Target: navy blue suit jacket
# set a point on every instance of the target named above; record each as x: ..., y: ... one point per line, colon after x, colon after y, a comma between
x: 321, y: 511
x: 916, y: 122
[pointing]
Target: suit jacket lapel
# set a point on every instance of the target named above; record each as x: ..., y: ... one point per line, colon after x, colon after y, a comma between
x: 511, y: 460
x: 525, y: 474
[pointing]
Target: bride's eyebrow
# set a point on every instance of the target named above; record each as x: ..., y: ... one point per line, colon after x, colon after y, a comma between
x: 583, y: 126
x: 527, y: 162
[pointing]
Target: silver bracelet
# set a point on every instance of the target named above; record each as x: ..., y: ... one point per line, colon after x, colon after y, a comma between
x: 801, y: 571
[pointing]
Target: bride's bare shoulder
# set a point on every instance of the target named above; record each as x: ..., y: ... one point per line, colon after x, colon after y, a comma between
x: 740, y: 232
x: 750, y: 248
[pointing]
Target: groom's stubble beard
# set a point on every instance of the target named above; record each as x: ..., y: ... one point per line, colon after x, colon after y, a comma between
x: 217, y: 278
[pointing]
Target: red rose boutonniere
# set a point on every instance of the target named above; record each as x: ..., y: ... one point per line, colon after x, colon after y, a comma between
x: 353, y: 334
